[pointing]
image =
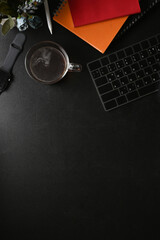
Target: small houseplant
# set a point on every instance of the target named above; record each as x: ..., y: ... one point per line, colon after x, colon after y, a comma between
x: 20, y: 14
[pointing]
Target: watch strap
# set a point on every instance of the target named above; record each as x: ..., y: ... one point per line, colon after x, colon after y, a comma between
x: 14, y: 49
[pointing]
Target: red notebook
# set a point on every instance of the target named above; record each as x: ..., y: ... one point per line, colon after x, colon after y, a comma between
x: 91, y: 11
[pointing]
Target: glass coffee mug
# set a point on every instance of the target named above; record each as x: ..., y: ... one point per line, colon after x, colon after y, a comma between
x: 48, y: 62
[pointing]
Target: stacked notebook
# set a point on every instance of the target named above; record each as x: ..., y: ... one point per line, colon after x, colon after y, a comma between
x: 96, y: 22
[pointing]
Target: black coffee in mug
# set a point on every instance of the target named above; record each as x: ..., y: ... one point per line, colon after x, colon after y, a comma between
x: 48, y: 62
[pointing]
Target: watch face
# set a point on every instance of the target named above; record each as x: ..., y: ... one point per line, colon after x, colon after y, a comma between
x: 4, y: 80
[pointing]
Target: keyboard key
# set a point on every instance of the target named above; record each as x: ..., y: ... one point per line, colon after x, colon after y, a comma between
x: 96, y: 74
x: 123, y: 90
x: 136, y: 57
x: 103, y: 70
x: 147, y: 80
x: 120, y: 64
x: 104, y: 61
x: 111, y: 104
x: 112, y: 58
x: 148, y: 70
x: 145, y: 44
x: 100, y: 81
x: 135, y: 67
x: 143, y: 63
x: 132, y: 77
x: 158, y: 47
x: 128, y: 60
x: 105, y: 88
x: 121, y: 100
x: 139, y: 83
x: 149, y: 89
x: 156, y: 67
x: 140, y: 74
x: 131, y: 87
x: 116, y: 84
x: 119, y: 73
x: 137, y: 47
x: 151, y: 60
x: 111, y: 77
x: 127, y: 70
x: 93, y: 65
x: 110, y: 95
x: 121, y: 54
x: 129, y: 51
x: 133, y: 95
x: 155, y: 77
x: 112, y: 67
x: 124, y: 80
x: 144, y: 54
x: 152, y: 51
x: 157, y: 57
x: 153, y: 41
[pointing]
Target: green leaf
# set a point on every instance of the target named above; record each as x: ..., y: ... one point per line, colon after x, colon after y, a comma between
x: 8, y: 25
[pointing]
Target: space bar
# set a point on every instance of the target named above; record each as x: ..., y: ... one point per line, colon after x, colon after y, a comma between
x: 149, y: 89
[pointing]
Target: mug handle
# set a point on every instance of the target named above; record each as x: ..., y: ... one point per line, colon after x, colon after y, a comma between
x: 74, y: 67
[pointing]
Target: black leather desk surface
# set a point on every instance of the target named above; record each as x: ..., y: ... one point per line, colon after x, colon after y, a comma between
x: 67, y: 168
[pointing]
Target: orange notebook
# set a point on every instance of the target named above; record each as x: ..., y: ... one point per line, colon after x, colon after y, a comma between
x: 99, y: 35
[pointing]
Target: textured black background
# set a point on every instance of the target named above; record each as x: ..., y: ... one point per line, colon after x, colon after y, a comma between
x: 67, y: 168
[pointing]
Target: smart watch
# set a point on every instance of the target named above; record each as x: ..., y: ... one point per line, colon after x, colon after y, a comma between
x: 6, y: 69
